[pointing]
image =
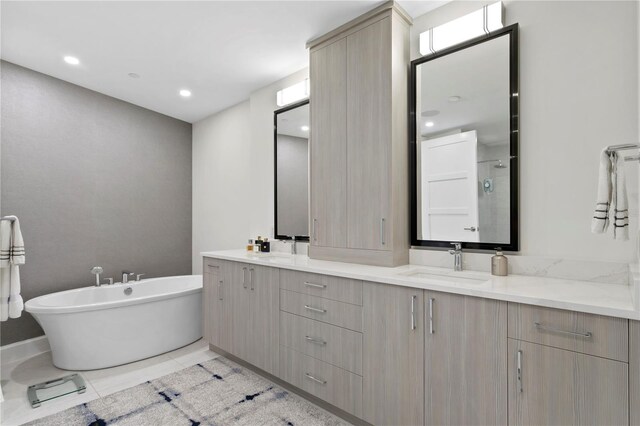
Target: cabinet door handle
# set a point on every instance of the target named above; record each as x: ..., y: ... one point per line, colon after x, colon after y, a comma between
x: 314, y: 285
x: 315, y: 379
x: 585, y: 335
x: 244, y: 277
x: 316, y: 341
x: 220, y: 290
x: 382, y: 231
x: 431, y: 300
x: 311, y: 308
x: 471, y: 228
x: 519, y: 371
x: 251, y: 277
x: 315, y: 235
x: 413, y: 312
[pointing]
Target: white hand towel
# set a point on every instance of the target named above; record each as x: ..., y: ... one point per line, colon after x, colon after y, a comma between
x: 600, y: 221
x: 12, y: 254
x: 620, y: 202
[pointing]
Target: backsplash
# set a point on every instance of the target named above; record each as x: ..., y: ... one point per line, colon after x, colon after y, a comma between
x: 537, y: 266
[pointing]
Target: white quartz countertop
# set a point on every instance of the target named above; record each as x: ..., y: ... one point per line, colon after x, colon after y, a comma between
x: 616, y: 300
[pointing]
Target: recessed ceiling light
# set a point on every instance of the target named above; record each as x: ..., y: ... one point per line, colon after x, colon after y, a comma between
x: 133, y: 75
x: 429, y: 124
x: 454, y: 98
x: 71, y: 60
x: 304, y: 128
x: 185, y: 93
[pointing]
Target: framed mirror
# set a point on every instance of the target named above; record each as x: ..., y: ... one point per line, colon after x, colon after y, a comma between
x: 291, y: 180
x: 464, y: 144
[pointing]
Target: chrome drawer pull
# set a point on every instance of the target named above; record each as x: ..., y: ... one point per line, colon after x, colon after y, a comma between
x: 316, y: 341
x: 244, y: 277
x: 311, y: 308
x: 309, y: 376
x: 431, y: 300
x: 314, y: 285
x: 557, y: 330
x: 519, y: 371
x: 413, y: 312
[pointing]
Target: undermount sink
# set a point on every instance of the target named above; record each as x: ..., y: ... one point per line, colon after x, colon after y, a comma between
x: 453, y: 278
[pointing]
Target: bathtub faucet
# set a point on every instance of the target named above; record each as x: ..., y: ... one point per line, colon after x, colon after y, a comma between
x: 97, y: 270
x: 125, y: 276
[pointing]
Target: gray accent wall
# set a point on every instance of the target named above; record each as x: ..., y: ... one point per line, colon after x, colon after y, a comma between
x: 95, y: 181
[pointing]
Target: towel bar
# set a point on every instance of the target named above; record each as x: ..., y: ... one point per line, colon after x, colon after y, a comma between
x: 623, y: 147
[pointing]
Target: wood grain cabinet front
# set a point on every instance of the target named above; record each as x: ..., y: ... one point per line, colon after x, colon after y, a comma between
x: 217, y: 304
x: 550, y: 386
x: 465, y: 360
x: 393, y: 355
x: 590, y: 334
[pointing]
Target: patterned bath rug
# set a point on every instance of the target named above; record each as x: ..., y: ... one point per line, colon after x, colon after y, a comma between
x: 216, y: 392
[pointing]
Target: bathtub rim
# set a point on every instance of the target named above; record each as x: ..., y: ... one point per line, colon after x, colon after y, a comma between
x: 33, y: 306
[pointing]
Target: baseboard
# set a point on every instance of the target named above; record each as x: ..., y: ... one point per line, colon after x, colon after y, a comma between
x: 23, y: 349
x: 315, y: 400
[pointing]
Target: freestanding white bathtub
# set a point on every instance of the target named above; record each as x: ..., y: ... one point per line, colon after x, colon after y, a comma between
x: 97, y: 327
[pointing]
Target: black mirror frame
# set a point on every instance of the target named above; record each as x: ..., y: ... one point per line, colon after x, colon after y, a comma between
x: 275, y: 173
x: 514, y: 235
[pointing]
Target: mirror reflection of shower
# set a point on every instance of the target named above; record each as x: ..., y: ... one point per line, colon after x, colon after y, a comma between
x: 500, y: 164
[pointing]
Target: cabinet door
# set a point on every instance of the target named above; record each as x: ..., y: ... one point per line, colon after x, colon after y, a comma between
x: 465, y: 360
x: 393, y: 355
x: 264, y: 313
x: 369, y: 136
x: 328, y: 140
x: 217, y: 309
x: 634, y: 371
x: 549, y: 386
x: 242, y: 313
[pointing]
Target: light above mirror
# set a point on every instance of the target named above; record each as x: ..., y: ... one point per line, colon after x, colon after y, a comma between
x: 292, y: 94
x: 469, y: 26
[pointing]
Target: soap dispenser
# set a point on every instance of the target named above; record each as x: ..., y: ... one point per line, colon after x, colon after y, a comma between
x: 499, y: 264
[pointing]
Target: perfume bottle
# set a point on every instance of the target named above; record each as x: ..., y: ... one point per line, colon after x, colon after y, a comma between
x: 250, y: 245
x: 266, y: 246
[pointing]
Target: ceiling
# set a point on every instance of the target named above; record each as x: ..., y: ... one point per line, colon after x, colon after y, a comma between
x: 479, y: 77
x: 220, y: 50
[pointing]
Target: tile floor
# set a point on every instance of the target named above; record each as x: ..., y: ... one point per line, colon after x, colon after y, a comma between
x: 17, y: 376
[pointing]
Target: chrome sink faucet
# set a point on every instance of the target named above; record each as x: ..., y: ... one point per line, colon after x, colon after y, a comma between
x: 125, y: 276
x: 457, y: 256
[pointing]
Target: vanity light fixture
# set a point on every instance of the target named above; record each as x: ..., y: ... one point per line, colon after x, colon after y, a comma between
x: 72, y: 60
x: 185, y: 93
x: 304, y: 128
x: 429, y: 124
x: 295, y: 93
x: 475, y: 24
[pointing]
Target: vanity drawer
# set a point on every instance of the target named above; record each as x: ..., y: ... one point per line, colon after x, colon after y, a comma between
x: 335, y: 345
x: 334, y: 288
x: 330, y: 311
x: 590, y: 334
x: 329, y: 383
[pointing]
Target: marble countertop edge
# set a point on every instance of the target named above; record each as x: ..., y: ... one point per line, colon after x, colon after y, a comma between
x: 615, y: 300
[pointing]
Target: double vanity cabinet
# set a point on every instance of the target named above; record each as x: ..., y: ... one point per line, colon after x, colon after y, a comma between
x: 387, y: 354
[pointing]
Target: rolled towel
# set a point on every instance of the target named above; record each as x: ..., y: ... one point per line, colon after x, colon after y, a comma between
x: 600, y: 221
x: 620, y: 203
x: 12, y: 255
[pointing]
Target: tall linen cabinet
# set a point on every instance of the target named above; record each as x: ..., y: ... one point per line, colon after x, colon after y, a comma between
x: 359, y: 159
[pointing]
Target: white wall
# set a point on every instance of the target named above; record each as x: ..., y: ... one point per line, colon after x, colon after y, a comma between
x: 233, y: 173
x: 578, y: 93
x: 222, y: 206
